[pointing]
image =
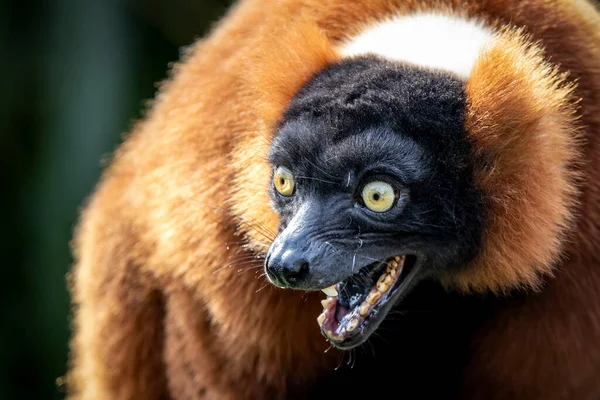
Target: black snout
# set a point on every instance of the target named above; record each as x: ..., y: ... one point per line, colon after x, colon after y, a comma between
x: 287, y: 268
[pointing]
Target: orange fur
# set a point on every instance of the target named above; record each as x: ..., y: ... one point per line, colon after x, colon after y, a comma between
x: 166, y: 301
x: 520, y: 119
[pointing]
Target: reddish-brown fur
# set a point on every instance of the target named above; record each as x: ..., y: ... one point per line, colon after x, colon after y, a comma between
x: 167, y: 300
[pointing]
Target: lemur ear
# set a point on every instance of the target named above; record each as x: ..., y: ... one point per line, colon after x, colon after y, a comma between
x: 284, y: 62
x: 521, y: 122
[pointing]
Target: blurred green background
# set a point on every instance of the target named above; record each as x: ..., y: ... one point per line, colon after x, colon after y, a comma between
x: 74, y: 75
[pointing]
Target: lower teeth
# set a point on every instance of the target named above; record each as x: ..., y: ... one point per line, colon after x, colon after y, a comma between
x: 352, y: 324
x: 358, y: 314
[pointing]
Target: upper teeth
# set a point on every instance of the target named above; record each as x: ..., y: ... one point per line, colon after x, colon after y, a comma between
x: 330, y: 291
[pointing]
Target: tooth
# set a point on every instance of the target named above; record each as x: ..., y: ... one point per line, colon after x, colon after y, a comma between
x: 384, y: 283
x: 393, y: 264
x: 397, y: 258
x: 321, y: 319
x: 330, y: 291
x: 391, y: 271
x: 364, y: 309
x: 373, y: 297
x: 325, y: 303
x: 352, y: 325
x: 385, y: 279
x: 382, y: 287
x: 381, y: 279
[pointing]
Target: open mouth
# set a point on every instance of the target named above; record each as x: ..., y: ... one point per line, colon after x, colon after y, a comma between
x: 355, y: 307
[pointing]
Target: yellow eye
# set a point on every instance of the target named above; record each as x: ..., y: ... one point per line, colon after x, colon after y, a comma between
x: 378, y: 196
x: 284, y: 181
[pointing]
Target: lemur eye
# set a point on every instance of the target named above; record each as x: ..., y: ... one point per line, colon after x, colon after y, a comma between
x: 284, y: 181
x: 378, y: 196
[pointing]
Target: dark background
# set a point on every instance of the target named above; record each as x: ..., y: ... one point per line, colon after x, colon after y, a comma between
x: 74, y: 75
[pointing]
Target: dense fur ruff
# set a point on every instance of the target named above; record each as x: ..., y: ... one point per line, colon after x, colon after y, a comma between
x: 167, y: 300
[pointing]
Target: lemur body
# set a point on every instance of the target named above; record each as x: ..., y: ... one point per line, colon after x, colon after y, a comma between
x: 474, y: 106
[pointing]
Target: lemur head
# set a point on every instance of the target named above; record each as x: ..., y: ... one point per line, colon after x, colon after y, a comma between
x: 384, y: 174
x: 373, y: 182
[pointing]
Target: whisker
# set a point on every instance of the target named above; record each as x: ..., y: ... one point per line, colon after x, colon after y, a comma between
x: 363, y: 279
x: 241, y: 242
x: 341, y: 361
x: 248, y: 264
x: 257, y: 223
x: 349, y: 357
x: 239, y: 271
x: 333, y: 247
x: 232, y: 265
x: 241, y: 261
x: 320, y: 169
x: 251, y: 224
x: 315, y: 179
x: 423, y: 224
x: 261, y: 275
x: 380, y: 337
x: 262, y: 230
x: 372, y: 348
x: 247, y: 256
x: 372, y: 259
x: 262, y: 287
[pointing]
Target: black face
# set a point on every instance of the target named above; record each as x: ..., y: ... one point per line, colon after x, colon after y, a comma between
x: 374, y: 185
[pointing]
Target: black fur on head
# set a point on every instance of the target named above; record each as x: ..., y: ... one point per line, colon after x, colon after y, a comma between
x: 366, y: 119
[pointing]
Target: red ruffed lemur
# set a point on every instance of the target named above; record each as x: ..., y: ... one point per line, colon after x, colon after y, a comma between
x: 432, y: 166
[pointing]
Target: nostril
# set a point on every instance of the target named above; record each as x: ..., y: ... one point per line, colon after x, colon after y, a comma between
x: 301, y: 266
x: 296, y: 271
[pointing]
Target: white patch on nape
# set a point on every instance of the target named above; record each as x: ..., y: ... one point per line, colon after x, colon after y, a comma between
x: 429, y: 40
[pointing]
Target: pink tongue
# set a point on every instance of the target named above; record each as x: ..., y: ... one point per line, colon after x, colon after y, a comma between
x: 341, y: 312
